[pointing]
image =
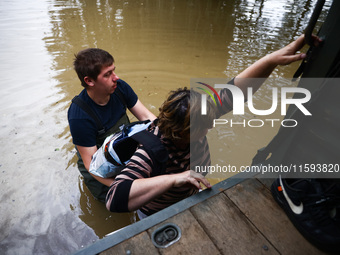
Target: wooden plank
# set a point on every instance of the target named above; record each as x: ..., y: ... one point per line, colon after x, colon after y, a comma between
x: 229, y: 229
x: 193, y: 240
x: 139, y: 244
x: 257, y: 203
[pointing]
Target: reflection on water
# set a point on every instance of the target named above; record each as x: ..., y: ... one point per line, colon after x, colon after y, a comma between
x: 158, y: 46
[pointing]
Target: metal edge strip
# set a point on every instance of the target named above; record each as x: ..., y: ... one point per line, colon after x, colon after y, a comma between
x: 140, y: 226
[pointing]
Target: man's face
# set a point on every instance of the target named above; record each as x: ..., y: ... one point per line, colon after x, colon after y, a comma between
x: 107, y: 80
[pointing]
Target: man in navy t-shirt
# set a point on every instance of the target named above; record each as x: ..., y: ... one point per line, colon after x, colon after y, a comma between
x: 107, y: 97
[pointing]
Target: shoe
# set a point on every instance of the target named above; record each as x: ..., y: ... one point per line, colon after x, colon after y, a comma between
x: 308, y: 204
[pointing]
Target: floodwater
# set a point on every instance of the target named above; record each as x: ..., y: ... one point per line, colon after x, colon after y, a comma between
x: 158, y: 46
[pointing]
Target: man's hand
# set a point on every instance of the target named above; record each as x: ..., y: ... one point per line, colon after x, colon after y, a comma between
x: 86, y: 154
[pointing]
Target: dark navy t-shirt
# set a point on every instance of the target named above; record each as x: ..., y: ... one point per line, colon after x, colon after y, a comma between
x: 84, y: 129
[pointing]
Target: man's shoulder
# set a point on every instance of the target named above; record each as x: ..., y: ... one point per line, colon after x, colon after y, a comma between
x: 124, y: 87
x: 82, y: 95
x: 75, y: 111
x: 126, y: 93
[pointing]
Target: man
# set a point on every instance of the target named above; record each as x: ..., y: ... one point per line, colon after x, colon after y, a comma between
x: 107, y: 97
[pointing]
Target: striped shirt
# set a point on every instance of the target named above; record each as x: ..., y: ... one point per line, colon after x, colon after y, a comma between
x: 141, y: 166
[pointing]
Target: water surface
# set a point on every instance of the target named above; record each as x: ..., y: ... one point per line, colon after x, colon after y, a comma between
x: 158, y: 46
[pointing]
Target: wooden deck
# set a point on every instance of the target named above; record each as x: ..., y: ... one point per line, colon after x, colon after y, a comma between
x: 238, y: 217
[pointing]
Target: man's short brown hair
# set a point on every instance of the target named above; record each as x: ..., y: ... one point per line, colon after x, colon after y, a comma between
x: 89, y: 62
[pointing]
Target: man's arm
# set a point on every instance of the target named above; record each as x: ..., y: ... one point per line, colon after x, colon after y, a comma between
x: 141, y: 112
x: 86, y: 154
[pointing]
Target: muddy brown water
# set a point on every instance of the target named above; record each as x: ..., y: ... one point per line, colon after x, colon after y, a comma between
x: 158, y: 46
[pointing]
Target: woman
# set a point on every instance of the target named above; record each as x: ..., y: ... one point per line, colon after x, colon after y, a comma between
x: 140, y: 185
x: 137, y: 187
